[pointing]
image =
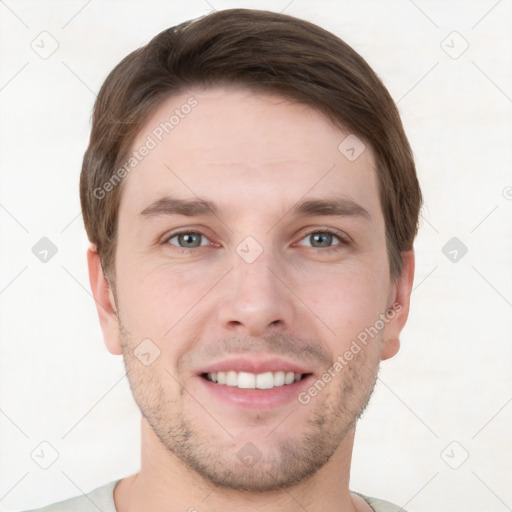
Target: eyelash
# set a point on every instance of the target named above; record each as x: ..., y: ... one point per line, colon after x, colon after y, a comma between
x: 325, y: 231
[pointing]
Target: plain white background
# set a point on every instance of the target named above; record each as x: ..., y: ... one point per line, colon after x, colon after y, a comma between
x: 437, y: 434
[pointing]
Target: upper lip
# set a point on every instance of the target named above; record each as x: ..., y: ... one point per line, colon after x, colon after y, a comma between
x: 254, y: 365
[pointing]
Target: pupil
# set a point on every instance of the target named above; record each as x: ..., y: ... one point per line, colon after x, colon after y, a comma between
x: 189, y: 239
x: 323, y: 238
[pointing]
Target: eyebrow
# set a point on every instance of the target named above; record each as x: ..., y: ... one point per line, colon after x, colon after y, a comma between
x: 335, y: 207
x: 176, y: 206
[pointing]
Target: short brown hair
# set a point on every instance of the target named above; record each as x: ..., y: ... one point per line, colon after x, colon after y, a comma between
x: 260, y: 50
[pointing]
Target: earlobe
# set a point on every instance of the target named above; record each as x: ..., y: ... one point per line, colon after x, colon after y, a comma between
x: 105, y: 303
x: 399, y: 307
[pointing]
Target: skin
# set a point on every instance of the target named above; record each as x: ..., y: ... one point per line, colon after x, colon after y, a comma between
x: 255, y: 155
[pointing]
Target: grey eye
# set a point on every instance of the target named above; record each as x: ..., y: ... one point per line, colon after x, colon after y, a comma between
x: 189, y: 240
x: 321, y: 239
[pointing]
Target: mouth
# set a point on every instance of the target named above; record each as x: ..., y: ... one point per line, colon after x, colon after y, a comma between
x: 254, y: 383
x: 247, y: 380
x: 252, y: 388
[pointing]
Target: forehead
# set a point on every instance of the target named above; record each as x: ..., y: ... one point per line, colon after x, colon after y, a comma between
x: 243, y: 149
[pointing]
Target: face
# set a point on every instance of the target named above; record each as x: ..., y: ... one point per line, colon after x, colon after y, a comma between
x: 251, y: 258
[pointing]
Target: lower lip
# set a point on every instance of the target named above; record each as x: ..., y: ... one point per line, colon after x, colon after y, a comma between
x: 257, y: 398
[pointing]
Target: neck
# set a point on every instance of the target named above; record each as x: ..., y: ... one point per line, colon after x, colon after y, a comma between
x: 164, y: 481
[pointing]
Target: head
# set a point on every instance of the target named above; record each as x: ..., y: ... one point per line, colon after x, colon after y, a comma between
x: 251, y: 201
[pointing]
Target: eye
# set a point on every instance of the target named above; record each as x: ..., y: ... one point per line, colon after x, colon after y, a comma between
x: 318, y: 239
x: 187, y: 239
x: 323, y: 239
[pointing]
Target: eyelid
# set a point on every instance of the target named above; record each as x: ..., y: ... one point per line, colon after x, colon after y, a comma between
x: 174, y: 234
x: 344, y: 239
x: 342, y: 236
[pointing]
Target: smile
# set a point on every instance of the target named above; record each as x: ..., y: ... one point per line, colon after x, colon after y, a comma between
x: 246, y: 380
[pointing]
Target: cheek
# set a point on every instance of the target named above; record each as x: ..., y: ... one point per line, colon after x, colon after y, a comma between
x: 157, y: 297
x: 347, y: 301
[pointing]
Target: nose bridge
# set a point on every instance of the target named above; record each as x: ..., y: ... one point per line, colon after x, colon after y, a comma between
x: 255, y: 300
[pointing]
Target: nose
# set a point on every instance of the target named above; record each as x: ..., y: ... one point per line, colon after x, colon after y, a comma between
x: 256, y: 299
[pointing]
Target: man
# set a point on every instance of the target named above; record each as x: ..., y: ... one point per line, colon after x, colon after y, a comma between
x: 251, y: 201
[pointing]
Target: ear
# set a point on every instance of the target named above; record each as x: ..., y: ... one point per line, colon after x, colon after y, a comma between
x: 398, y: 307
x: 105, y: 303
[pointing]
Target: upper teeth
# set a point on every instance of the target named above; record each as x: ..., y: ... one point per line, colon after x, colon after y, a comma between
x: 247, y: 380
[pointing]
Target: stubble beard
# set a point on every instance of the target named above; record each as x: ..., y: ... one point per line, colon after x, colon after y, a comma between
x: 288, y: 456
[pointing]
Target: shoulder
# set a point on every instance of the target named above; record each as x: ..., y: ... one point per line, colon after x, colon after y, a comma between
x: 101, y: 498
x: 381, y: 505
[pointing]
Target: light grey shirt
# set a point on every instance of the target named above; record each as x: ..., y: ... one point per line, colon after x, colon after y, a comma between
x: 102, y: 499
